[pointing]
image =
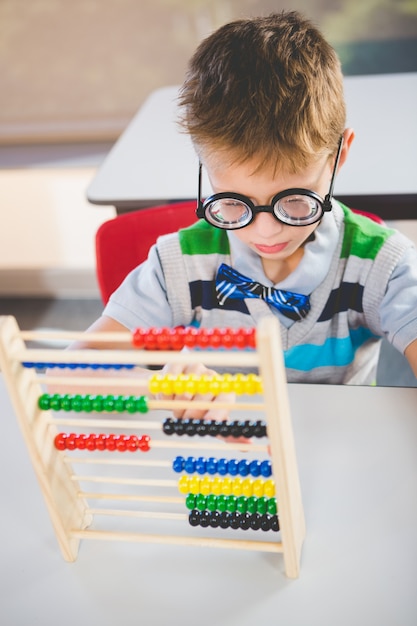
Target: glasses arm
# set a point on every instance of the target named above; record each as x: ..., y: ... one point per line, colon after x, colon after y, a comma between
x: 327, y: 204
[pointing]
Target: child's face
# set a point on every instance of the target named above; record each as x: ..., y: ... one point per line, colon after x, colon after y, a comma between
x: 275, y: 242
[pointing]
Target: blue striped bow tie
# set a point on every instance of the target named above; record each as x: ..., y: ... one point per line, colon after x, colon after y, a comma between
x: 231, y: 284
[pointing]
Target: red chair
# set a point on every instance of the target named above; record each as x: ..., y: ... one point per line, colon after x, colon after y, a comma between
x: 123, y: 242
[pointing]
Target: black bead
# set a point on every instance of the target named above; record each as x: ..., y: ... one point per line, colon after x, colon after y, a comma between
x: 205, y: 518
x: 202, y: 428
x: 235, y: 429
x: 179, y: 427
x: 235, y: 520
x: 260, y: 429
x: 215, y: 519
x: 168, y: 426
x: 213, y: 427
x: 275, y: 523
x: 189, y: 427
x: 265, y: 522
x: 247, y: 429
x: 245, y: 521
x: 224, y: 430
x: 194, y: 517
x: 255, y: 521
x: 224, y: 519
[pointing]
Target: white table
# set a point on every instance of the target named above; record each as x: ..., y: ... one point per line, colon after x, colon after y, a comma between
x: 358, y: 469
x: 153, y: 162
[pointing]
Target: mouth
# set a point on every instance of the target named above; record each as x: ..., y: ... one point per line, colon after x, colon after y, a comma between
x: 278, y: 247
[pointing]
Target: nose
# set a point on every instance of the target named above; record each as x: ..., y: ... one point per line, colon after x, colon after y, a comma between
x: 267, y: 225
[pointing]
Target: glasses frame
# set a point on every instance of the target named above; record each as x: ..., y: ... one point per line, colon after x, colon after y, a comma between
x: 326, y: 204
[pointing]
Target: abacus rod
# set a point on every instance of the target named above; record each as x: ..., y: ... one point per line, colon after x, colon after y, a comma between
x: 75, y: 335
x: 81, y: 460
x: 97, y: 423
x: 113, y: 480
x: 234, y: 544
x: 238, y: 358
x: 130, y: 497
x: 178, y: 517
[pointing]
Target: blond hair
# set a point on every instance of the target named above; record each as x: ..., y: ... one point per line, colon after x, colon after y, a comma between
x: 269, y: 88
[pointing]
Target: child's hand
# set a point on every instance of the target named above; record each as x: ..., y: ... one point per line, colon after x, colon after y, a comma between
x: 194, y: 413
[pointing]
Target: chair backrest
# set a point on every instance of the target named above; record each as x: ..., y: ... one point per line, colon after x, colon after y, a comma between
x: 123, y: 242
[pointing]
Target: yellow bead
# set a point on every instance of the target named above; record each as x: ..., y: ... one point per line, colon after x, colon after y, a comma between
x: 203, y: 385
x: 269, y: 488
x: 183, y: 484
x: 194, y: 484
x: 247, y: 487
x: 191, y: 385
x: 166, y: 388
x: 179, y: 384
x: 154, y: 383
x: 239, y: 384
x: 227, y: 487
x: 217, y: 485
x: 215, y: 385
x: 237, y: 485
x: 258, y: 488
x: 206, y: 486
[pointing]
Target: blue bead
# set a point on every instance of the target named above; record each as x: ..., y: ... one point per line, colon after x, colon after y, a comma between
x: 222, y: 466
x: 211, y: 465
x: 189, y: 465
x: 178, y: 464
x: 233, y: 467
x: 200, y: 465
x: 243, y: 467
x: 28, y: 364
x: 266, y: 469
x: 255, y: 468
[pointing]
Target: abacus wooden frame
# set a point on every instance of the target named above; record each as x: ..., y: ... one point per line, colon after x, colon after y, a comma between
x: 69, y: 511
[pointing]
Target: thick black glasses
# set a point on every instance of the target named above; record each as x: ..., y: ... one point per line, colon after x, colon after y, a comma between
x: 296, y: 207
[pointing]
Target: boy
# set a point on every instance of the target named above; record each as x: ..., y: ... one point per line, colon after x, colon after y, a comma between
x: 263, y: 103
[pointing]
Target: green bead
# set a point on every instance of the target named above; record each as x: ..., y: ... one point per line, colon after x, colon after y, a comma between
x: 44, y: 402
x: 201, y: 502
x: 190, y: 501
x: 130, y: 404
x: 252, y: 504
x: 272, y: 506
x: 77, y: 403
x: 242, y: 504
x: 66, y: 402
x: 142, y: 404
x: 108, y: 403
x: 212, y: 502
x: 56, y: 402
x: 97, y: 402
x: 231, y: 503
x: 87, y: 404
x: 119, y: 404
x: 262, y: 505
x: 222, y: 503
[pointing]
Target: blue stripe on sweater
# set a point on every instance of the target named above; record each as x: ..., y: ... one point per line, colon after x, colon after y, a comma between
x: 335, y: 352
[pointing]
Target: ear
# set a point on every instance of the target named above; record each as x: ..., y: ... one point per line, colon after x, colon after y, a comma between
x: 348, y: 137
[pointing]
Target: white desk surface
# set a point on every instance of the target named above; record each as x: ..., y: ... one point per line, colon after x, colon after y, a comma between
x: 152, y: 160
x: 357, y: 454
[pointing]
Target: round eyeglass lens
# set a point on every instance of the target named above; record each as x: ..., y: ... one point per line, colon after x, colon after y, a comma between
x: 298, y: 209
x: 228, y: 213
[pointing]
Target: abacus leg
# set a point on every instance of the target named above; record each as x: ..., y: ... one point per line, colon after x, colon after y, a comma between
x: 283, y: 456
x: 67, y: 511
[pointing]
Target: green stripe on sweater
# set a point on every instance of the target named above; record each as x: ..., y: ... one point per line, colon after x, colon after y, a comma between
x: 201, y: 238
x: 362, y: 237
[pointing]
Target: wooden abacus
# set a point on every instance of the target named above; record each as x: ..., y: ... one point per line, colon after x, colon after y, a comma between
x: 218, y: 501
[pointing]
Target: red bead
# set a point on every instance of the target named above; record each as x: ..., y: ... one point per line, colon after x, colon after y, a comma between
x: 71, y: 441
x: 203, y: 339
x: 144, y: 443
x: 81, y: 442
x: 60, y: 441
x: 190, y: 338
x: 101, y: 442
x: 132, y: 443
x: 91, y: 442
x: 111, y: 443
x: 138, y: 337
x: 228, y: 339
